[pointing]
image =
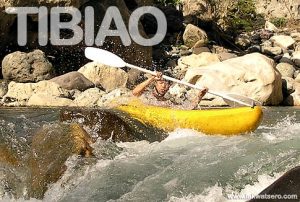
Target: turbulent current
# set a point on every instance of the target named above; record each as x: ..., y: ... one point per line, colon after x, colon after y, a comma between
x: 185, y: 166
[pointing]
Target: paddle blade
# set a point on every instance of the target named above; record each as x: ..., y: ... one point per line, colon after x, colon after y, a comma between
x: 240, y: 98
x: 104, y: 57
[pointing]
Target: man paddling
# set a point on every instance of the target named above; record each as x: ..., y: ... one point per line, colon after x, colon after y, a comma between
x: 157, y: 95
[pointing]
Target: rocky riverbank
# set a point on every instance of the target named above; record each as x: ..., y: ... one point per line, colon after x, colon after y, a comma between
x: 262, y: 64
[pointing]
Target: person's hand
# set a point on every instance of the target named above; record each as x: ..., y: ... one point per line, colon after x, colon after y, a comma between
x: 158, y: 76
x: 203, y: 92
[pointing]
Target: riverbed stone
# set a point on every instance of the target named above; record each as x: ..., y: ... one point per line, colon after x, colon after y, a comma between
x: 88, y: 98
x: 296, y: 58
x: 194, y: 35
x: 51, y: 146
x: 73, y: 80
x: 273, y: 51
x: 270, y: 27
x: 288, y: 86
x: 115, y: 97
x: 253, y: 75
x: 283, y: 41
x: 286, y: 70
x: 105, y: 76
x: 48, y: 100
x: 27, y: 67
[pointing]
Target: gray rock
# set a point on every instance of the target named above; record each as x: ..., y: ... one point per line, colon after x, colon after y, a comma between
x: 226, y: 56
x: 243, y: 40
x: 283, y: 41
x: 27, y: 67
x: 287, y: 86
x: 286, y: 58
x: 200, y: 50
x: 88, y: 98
x: 115, y: 97
x: 297, y: 78
x: 73, y: 80
x: 286, y: 70
x: 3, y: 88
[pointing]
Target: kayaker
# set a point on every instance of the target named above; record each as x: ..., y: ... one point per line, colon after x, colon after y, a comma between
x: 157, y: 96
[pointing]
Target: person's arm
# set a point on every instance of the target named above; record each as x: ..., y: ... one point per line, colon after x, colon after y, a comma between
x: 139, y: 89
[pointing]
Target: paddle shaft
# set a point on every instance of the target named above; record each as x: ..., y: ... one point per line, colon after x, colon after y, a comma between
x: 190, y: 85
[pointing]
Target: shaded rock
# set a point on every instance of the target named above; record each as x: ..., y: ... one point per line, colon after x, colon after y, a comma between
x: 51, y: 146
x: 282, y: 41
x: 286, y: 70
x: 107, y: 77
x: 200, y: 50
x: 27, y: 67
x: 286, y: 58
x: 296, y: 58
x: 273, y: 51
x: 73, y: 80
x: 297, y: 79
x: 226, y: 56
x: 287, y: 86
x: 252, y: 75
x: 296, y: 36
x: 287, y: 184
x: 88, y: 98
x: 243, y: 40
x: 48, y: 100
x: 294, y: 98
x: 194, y: 60
x: 194, y: 35
x: 133, y: 78
x: 270, y: 27
x: 3, y: 88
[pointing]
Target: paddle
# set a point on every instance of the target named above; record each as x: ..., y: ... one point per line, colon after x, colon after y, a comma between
x: 110, y: 59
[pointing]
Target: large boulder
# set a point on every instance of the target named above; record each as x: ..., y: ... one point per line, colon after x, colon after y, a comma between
x: 199, y: 60
x: 27, y: 67
x: 51, y: 146
x: 253, y: 75
x: 73, y: 80
x: 107, y: 77
x: 194, y: 36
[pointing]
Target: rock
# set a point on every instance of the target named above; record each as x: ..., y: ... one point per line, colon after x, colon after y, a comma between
x: 270, y: 27
x: 294, y: 98
x: 51, y: 146
x: 243, y: 40
x: 282, y: 41
x: 296, y: 58
x: 252, y: 75
x: 226, y: 56
x: 27, y: 67
x: 286, y: 70
x: 21, y: 92
x: 273, y: 51
x: 3, y: 88
x: 73, y: 80
x: 194, y: 60
x: 287, y: 86
x: 115, y: 97
x: 297, y: 47
x: 296, y: 36
x: 133, y: 78
x: 107, y: 77
x: 88, y: 98
x: 194, y: 35
x: 297, y: 79
x: 286, y: 58
x: 287, y: 185
x: 48, y: 100
x: 200, y: 50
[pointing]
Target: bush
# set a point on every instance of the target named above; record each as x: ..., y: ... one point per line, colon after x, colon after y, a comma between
x: 279, y: 22
x: 166, y: 2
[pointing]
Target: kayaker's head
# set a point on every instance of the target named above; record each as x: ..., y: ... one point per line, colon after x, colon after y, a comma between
x: 161, y: 87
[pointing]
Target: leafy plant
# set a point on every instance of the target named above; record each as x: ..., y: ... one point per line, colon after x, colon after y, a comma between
x: 166, y: 2
x: 279, y: 22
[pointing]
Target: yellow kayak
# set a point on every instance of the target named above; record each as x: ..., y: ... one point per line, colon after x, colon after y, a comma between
x: 213, y: 121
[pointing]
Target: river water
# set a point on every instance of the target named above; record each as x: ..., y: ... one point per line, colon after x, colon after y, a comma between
x: 186, y: 166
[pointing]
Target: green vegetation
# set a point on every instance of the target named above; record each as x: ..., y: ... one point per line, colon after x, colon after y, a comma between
x: 242, y: 16
x: 279, y: 22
